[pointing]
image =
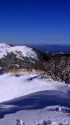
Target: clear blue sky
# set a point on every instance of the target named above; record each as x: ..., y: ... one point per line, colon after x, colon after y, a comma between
x: 35, y: 21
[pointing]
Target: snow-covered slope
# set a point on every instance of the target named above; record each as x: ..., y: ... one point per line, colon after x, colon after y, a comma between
x: 22, y: 51
x: 47, y: 116
x: 32, y: 91
x: 12, y: 87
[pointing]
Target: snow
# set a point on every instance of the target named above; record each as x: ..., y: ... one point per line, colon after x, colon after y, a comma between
x: 33, y: 91
x: 33, y: 117
x: 12, y: 86
x: 4, y: 45
x: 18, y: 50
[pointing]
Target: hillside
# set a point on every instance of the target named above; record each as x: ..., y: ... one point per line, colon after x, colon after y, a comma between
x: 18, y: 58
x: 32, y: 86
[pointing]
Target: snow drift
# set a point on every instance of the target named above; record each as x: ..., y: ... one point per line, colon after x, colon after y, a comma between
x: 14, y: 87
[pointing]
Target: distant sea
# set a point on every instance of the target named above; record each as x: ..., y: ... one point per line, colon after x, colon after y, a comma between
x: 52, y: 48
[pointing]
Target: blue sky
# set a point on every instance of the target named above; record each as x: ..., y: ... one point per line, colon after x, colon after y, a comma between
x: 35, y: 21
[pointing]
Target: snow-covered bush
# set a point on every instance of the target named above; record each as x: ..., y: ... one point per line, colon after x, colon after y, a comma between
x: 44, y: 123
x: 19, y: 122
x: 49, y: 122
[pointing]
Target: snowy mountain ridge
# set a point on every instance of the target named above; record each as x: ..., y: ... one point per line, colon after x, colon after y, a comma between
x: 23, y: 51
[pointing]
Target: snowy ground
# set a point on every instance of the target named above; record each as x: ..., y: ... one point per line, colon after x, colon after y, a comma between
x: 13, y: 86
x: 27, y: 96
x: 32, y: 117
